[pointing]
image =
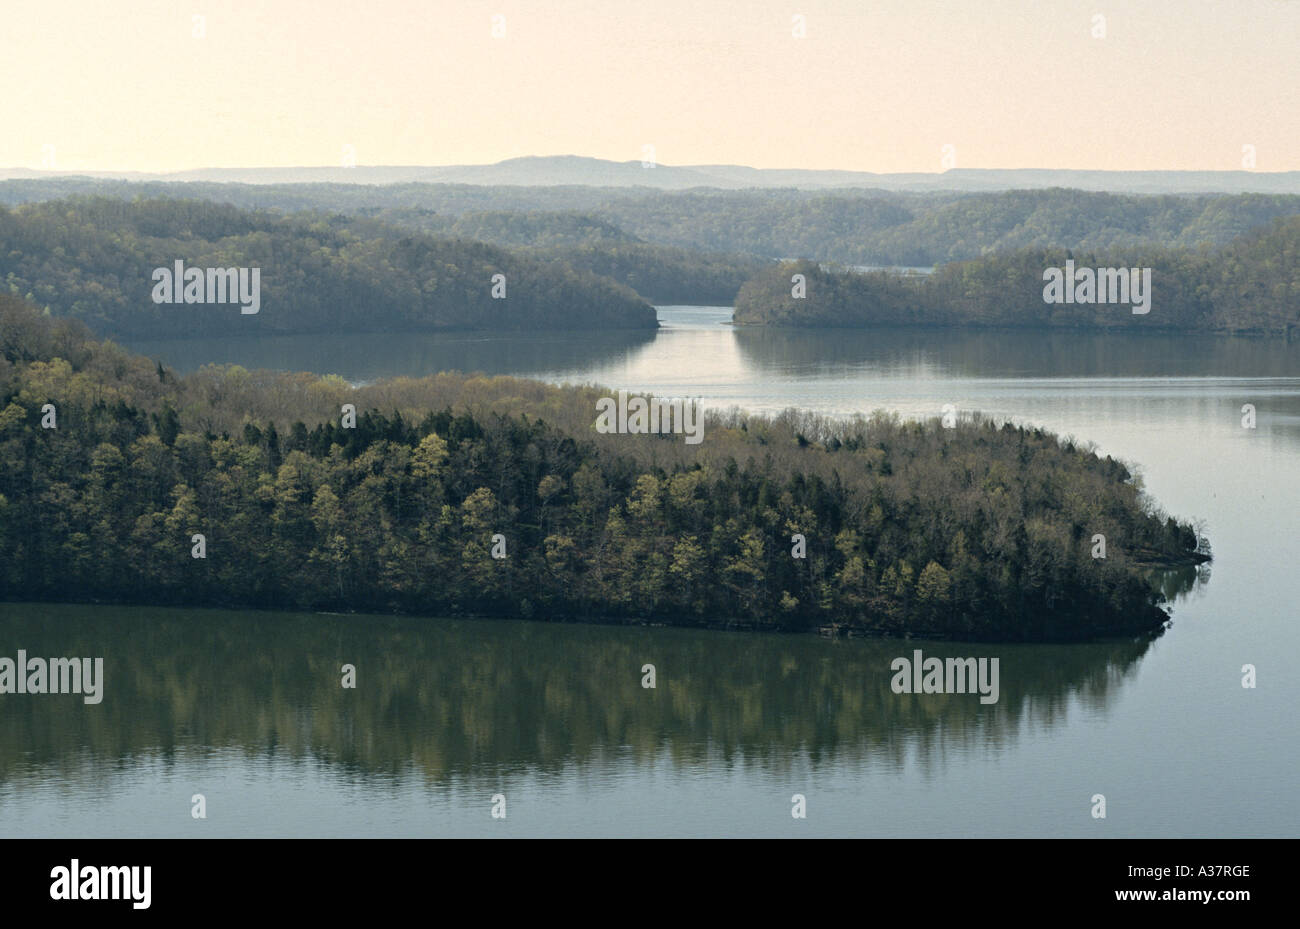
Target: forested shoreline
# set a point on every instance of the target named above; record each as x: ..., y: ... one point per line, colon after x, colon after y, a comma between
x: 980, y: 531
x: 1249, y: 286
x: 1226, y: 264
x: 91, y: 259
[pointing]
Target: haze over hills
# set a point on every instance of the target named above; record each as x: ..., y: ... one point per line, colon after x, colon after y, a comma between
x: 573, y: 170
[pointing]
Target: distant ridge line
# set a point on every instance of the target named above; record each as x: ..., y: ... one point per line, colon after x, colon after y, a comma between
x: 573, y: 170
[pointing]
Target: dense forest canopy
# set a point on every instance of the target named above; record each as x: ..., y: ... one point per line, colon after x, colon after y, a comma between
x: 663, y: 274
x: 980, y: 531
x: 91, y: 258
x: 853, y: 227
x: 1251, y: 285
x: 923, y: 230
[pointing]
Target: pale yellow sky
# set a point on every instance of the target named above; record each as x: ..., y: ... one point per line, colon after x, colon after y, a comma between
x: 876, y: 85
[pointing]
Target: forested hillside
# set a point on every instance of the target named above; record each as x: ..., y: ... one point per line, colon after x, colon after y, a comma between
x: 1251, y: 285
x: 978, y: 531
x: 663, y: 274
x: 91, y: 259
x: 852, y: 227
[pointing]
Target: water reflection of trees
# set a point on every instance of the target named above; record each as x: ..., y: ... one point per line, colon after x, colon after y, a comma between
x: 370, y: 356
x: 1177, y: 583
x: 464, y: 700
x: 1017, y: 353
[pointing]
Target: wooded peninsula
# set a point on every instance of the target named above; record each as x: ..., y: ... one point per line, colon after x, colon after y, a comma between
x: 114, y: 465
x: 1249, y: 286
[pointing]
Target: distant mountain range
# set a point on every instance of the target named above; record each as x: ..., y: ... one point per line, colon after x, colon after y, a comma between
x: 573, y: 170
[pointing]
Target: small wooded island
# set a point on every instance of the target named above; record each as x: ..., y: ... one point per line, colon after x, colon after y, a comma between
x: 114, y: 466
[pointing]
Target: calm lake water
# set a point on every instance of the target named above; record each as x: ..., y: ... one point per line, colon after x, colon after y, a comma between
x: 246, y: 708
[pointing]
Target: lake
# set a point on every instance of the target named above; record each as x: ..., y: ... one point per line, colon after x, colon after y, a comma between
x: 247, y: 709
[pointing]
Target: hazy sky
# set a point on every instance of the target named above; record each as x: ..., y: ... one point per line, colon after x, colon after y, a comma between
x: 876, y: 85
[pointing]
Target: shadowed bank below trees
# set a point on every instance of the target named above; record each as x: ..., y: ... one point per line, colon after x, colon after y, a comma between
x: 982, y: 531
